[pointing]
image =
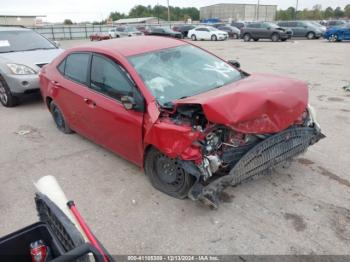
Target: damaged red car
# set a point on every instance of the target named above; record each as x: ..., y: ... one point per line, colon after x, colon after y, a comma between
x: 193, y: 121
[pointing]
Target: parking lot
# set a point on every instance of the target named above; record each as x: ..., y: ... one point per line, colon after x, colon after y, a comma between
x: 301, y: 210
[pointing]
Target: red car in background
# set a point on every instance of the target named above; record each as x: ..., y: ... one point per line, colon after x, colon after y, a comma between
x: 99, y: 37
x: 193, y: 121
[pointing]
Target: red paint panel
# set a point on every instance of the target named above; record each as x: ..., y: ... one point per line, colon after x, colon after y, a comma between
x: 174, y: 140
x: 258, y: 104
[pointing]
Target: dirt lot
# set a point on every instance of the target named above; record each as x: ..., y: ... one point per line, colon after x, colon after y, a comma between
x: 301, y: 210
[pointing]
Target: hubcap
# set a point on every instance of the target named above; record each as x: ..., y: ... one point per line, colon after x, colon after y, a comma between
x: 170, y: 173
x: 3, y: 94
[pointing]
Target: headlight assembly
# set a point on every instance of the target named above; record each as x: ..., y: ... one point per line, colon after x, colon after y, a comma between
x: 19, y: 69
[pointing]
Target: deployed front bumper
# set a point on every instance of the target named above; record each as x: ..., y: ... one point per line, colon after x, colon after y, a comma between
x: 260, y: 159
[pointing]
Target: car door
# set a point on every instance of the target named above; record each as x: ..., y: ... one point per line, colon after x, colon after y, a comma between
x: 261, y: 31
x: 70, y: 89
x: 206, y: 34
x: 115, y: 127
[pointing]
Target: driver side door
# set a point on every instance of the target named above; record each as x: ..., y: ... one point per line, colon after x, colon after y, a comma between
x: 115, y: 127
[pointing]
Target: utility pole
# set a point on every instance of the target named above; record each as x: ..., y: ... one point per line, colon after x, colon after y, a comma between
x: 168, y: 11
x: 296, y: 9
x: 257, y: 11
x: 158, y: 11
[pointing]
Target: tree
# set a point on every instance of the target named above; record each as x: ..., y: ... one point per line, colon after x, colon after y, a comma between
x: 67, y: 22
x: 347, y: 11
x: 329, y: 12
x: 116, y: 16
x: 338, y: 12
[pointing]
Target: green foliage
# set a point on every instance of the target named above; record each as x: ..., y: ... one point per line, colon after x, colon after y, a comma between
x: 67, y: 22
x: 316, y: 13
x: 176, y: 13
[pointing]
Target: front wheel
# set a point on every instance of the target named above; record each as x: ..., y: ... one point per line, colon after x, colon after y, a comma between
x: 6, y: 97
x: 333, y: 38
x: 193, y: 37
x: 59, y: 119
x: 167, y: 175
x: 214, y: 38
x: 235, y: 36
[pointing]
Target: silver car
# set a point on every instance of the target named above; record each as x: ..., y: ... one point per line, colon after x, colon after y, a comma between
x: 22, y: 53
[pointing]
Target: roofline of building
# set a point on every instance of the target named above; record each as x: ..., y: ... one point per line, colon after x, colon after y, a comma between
x: 235, y: 4
x: 5, y: 15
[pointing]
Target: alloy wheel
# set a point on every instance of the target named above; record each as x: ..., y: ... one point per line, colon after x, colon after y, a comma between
x: 3, y: 94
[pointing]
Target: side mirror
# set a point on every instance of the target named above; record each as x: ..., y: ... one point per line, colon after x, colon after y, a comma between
x: 57, y: 43
x: 234, y: 63
x: 128, y: 102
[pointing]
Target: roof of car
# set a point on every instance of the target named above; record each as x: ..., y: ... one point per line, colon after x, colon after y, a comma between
x: 13, y: 28
x: 130, y: 46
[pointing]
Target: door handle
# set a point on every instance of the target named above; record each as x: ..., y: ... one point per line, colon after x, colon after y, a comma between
x: 89, y: 102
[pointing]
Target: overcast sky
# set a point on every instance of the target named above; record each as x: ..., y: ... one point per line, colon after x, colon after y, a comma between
x: 90, y: 10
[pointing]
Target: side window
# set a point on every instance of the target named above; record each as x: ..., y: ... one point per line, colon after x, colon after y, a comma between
x: 254, y: 25
x: 62, y: 66
x: 108, y: 78
x: 76, y: 67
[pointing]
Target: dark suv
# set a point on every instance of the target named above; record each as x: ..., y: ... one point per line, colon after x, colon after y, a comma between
x: 302, y: 29
x: 265, y: 30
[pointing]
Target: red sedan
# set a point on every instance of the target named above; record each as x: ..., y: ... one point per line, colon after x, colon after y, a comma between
x: 99, y: 37
x: 193, y: 121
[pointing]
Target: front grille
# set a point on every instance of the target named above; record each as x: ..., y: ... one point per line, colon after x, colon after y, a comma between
x: 272, y: 151
x: 41, y: 65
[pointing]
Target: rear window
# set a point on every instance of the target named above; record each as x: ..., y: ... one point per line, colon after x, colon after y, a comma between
x: 76, y: 67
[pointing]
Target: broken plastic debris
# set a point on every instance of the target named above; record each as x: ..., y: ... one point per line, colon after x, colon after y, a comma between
x: 23, y: 132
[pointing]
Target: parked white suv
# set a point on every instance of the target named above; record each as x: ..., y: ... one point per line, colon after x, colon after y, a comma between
x: 207, y: 33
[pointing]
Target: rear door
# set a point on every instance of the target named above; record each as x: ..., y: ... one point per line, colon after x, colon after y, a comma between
x: 114, y: 127
x: 71, y: 89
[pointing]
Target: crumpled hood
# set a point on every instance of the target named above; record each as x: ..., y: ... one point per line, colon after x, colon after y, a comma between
x: 31, y: 58
x: 258, y: 104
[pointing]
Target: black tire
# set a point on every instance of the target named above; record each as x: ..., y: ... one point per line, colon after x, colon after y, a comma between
x: 214, y: 38
x: 256, y: 39
x: 59, y: 119
x: 193, y: 37
x: 7, y: 99
x: 284, y: 39
x: 247, y: 37
x: 275, y: 37
x: 166, y: 175
x: 310, y: 35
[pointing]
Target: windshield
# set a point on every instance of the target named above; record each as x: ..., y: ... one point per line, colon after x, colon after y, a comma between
x: 181, y: 72
x: 14, y: 41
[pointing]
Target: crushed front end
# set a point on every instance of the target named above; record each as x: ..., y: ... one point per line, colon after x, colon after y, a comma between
x: 219, y: 156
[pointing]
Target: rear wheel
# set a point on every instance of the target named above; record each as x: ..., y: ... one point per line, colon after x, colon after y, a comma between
x: 167, y: 175
x: 247, y: 37
x: 6, y: 97
x: 275, y: 37
x: 59, y: 119
x: 193, y: 37
x: 214, y: 38
x: 310, y: 35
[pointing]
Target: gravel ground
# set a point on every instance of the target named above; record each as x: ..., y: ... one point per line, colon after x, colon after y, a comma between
x: 301, y: 210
